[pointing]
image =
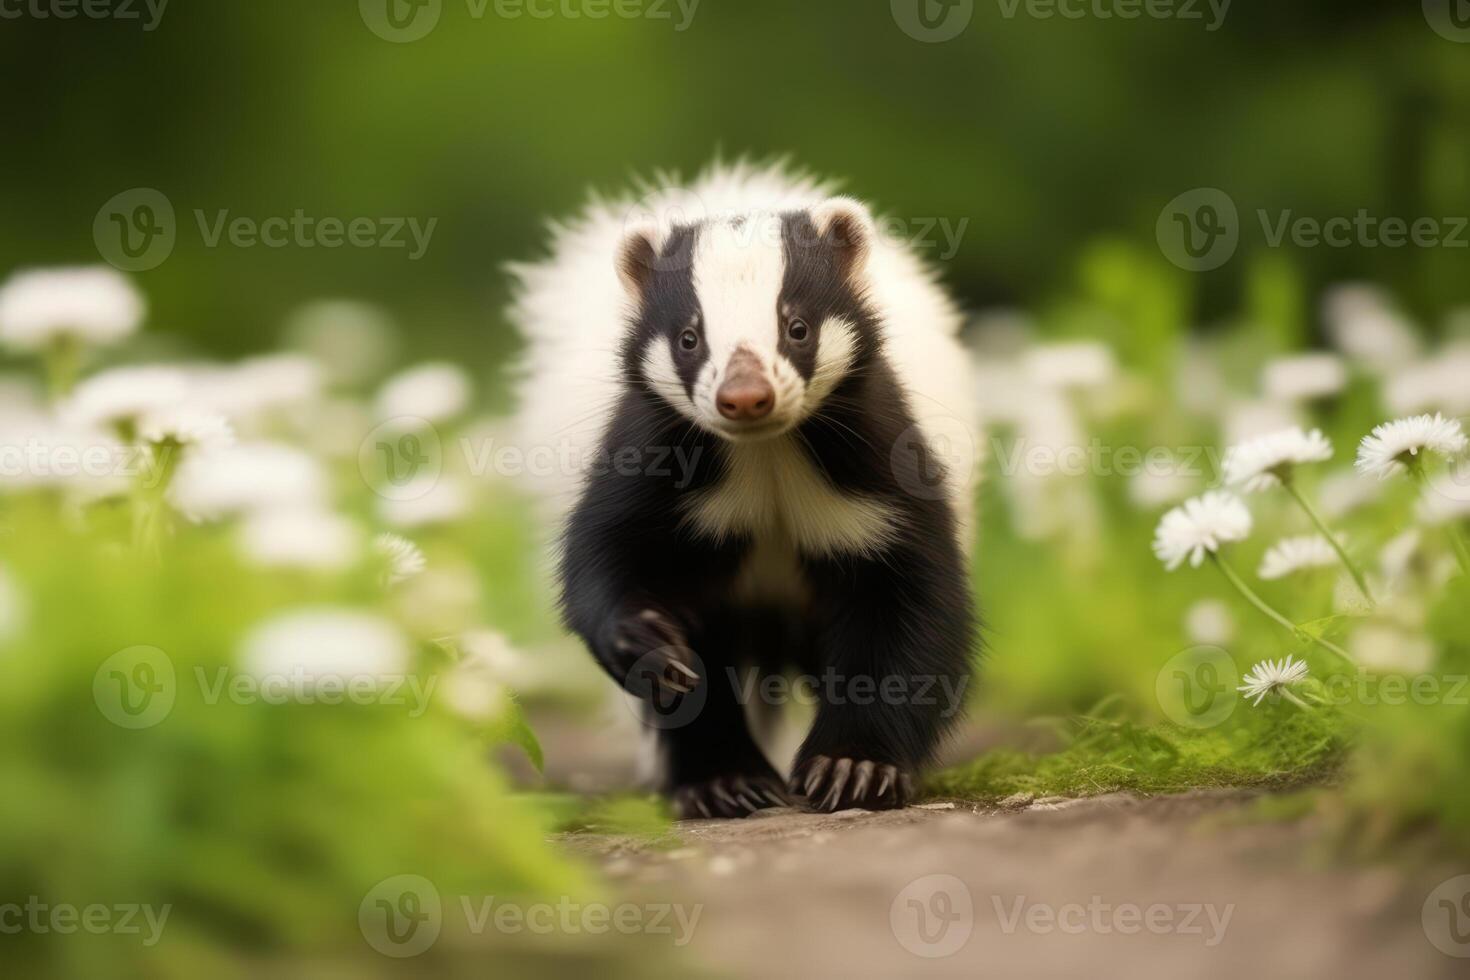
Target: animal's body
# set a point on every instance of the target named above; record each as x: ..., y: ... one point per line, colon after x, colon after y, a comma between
x: 754, y: 383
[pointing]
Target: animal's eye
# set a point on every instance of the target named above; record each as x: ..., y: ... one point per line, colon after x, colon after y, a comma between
x: 797, y: 330
x: 689, y: 340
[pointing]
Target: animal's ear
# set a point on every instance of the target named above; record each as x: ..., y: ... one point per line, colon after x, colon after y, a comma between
x: 846, y: 227
x: 637, y: 258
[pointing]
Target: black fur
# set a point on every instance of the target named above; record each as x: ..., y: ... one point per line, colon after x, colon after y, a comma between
x: 902, y: 617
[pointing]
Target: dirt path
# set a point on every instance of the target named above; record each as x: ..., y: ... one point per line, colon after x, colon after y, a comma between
x: 1113, y: 887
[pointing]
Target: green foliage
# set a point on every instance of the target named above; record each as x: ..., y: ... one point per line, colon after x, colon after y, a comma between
x: 1108, y: 756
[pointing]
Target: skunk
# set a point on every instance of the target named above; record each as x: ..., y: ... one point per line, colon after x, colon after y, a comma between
x: 753, y: 392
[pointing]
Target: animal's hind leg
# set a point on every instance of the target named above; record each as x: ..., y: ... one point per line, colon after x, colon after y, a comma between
x: 710, y: 765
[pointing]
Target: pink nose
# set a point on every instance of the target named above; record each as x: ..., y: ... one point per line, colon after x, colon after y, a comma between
x: 745, y: 395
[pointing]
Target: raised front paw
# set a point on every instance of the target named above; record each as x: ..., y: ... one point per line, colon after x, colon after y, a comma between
x: 652, y: 656
x: 728, y: 797
x: 831, y: 784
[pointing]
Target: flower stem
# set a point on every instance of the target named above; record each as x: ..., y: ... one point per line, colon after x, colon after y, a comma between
x: 1462, y: 553
x: 1311, y: 511
x: 1280, y: 620
x: 63, y: 363
x: 1286, y: 693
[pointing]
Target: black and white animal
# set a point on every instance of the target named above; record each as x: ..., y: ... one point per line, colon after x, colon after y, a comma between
x: 755, y: 385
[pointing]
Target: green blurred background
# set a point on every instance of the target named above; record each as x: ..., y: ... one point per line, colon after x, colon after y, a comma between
x: 1046, y: 135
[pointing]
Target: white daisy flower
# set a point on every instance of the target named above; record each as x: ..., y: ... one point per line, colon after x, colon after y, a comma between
x: 311, y: 648
x: 247, y: 477
x: 120, y: 397
x: 1291, y: 555
x: 436, y: 392
x: 1267, y: 461
x: 1393, y: 445
x: 1270, y: 676
x: 187, y: 426
x: 401, y: 557
x: 1305, y: 377
x: 93, y: 304
x: 1209, y: 622
x: 308, y: 538
x: 426, y: 501
x: 1077, y: 364
x: 1199, y: 527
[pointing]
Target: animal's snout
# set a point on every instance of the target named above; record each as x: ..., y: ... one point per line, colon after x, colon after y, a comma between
x: 745, y: 395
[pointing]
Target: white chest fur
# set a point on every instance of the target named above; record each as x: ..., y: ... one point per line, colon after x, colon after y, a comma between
x: 773, y: 493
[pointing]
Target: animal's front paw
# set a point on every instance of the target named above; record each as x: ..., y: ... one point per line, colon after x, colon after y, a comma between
x: 726, y: 797
x: 842, y: 783
x: 652, y: 655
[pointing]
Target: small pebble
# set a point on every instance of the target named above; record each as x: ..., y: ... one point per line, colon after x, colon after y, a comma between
x: 722, y: 866
x: 934, y: 806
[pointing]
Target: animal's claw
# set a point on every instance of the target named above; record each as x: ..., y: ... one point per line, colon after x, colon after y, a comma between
x: 845, y: 783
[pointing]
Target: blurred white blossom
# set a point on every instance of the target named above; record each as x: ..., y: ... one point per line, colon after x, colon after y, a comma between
x: 353, y: 341
x: 1346, y: 491
x: 326, y: 644
x: 250, y: 476
x: 187, y: 426
x: 1364, y: 325
x: 424, y: 502
x: 120, y: 397
x: 94, y: 305
x: 300, y: 537
x: 1304, y: 377
x: 1447, y: 496
x: 1389, y: 649
x: 434, y: 392
x: 1440, y: 384
x: 1071, y: 365
x: 1210, y: 622
x: 1291, y: 555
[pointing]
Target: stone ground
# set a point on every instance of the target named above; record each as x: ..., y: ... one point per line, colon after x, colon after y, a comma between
x: 1183, y: 886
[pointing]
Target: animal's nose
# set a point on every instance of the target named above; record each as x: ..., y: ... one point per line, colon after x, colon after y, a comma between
x: 745, y: 395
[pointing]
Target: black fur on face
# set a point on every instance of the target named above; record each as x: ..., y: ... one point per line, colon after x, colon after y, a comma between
x: 822, y: 282
x: 668, y: 308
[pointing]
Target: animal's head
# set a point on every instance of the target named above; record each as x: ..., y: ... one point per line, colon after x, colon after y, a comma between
x: 746, y: 324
